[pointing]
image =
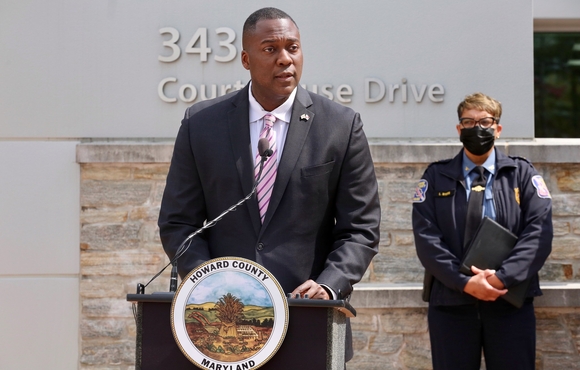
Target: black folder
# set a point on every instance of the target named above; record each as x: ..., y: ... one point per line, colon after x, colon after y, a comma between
x: 427, y: 286
x: 491, y: 245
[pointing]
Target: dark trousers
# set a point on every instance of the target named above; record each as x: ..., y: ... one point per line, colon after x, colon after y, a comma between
x: 506, y: 334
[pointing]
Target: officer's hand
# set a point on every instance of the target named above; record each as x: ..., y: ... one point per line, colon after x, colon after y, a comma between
x: 480, y: 288
x: 495, y: 282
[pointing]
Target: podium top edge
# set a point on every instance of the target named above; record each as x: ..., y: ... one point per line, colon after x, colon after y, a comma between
x: 153, y: 297
x: 162, y: 297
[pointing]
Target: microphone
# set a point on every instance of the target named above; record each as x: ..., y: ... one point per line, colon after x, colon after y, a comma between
x: 264, y: 151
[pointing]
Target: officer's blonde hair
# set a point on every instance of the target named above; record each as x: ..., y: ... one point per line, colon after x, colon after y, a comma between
x: 482, y: 102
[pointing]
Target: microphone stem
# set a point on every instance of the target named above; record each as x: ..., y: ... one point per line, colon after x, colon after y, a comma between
x: 173, y: 280
x: 183, y: 247
x: 180, y: 253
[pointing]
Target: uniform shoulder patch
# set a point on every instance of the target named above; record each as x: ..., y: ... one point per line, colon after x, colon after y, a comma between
x: 421, y: 191
x: 541, y: 187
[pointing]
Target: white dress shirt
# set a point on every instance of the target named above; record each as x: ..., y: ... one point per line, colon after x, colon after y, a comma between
x: 283, y: 114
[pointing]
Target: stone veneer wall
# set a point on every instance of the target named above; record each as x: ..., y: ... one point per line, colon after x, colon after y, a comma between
x: 121, y: 189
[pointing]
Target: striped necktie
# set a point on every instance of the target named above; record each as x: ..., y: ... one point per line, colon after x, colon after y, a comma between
x: 266, y: 184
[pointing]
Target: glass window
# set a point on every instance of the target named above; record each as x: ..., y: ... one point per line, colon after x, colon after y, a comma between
x: 557, y: 84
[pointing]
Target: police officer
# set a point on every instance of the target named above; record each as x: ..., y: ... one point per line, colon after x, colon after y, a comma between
x: 466, y: 313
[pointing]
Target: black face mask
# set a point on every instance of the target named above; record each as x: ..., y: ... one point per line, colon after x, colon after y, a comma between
x: 477, y: 140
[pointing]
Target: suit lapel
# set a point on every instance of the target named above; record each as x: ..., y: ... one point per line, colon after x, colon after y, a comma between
x: 239, y: 129
x: 295, y: 139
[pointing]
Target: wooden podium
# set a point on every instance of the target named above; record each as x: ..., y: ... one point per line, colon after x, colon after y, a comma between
x: 315, y: 338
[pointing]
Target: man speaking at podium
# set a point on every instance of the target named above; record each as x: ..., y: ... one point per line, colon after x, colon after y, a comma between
x: 314, y: 222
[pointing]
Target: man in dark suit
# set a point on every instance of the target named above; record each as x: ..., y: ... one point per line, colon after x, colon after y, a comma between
x: 320, y: 229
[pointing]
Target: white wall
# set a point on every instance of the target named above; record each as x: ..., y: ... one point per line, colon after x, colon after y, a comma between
x: 39, y: 322
x: 83, y: 68
x: 39, y: 255
x: 557, y: 9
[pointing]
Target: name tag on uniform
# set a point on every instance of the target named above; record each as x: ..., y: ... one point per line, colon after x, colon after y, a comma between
x: 444, y: 194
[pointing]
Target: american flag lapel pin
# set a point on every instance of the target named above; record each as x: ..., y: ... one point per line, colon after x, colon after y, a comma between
x: 304, y: 117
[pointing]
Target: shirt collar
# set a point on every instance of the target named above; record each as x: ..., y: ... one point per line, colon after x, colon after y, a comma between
x: 282, y: 113
x: 489, y: 164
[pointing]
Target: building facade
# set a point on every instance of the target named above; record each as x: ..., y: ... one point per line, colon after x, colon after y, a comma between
x: 86, y: 133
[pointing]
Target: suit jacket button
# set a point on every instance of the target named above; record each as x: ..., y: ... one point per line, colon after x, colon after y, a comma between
x: 260, y: 246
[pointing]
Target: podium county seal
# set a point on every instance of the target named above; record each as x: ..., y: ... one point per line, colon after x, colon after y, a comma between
x: 229, y: 314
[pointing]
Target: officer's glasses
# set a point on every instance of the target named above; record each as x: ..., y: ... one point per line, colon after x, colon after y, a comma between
x: 486, y: 122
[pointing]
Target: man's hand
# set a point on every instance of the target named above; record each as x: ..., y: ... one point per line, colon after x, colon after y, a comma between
x: 312, y: 289
x: 479, y: 286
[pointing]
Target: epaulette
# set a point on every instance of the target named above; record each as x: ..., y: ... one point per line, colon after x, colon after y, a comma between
x: 441, y: 161
x: 516, y: 157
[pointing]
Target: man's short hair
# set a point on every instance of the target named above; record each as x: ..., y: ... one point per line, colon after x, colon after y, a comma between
x: 481, y: 102
x: 261, y: 14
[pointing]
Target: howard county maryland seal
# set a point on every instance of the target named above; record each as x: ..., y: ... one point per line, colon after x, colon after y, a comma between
x: 229, y: 314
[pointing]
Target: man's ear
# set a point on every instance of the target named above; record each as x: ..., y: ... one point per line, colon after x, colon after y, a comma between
x: 245, y: 60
